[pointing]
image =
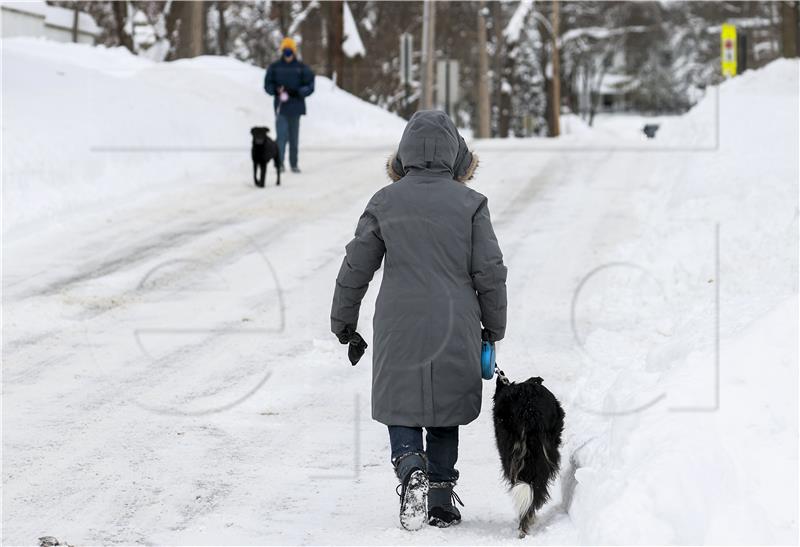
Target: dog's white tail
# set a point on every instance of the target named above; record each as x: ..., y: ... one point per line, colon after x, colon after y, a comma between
x: 522, y: 497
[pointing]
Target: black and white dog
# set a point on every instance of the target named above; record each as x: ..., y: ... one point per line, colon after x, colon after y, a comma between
x: 528, y: 421
x: 262, y: 152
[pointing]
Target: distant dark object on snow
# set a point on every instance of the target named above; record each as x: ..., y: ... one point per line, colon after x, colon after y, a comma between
x: 50, y: 541
x: 650, y: 130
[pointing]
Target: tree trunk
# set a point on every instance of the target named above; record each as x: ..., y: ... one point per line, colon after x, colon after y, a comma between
x: 555, y: 84
x: 191, y: 29
x: 499, y: 55
x: 506, y: 79
x: 335, y: 40
x: 120, y: 18
x: 484, y: 126
x: 789, y: 24
x: 222, y: 30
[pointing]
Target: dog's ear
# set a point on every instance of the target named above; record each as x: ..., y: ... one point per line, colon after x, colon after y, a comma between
x: 253, y: 130
x: 537, y: 380
x: 266, y: 130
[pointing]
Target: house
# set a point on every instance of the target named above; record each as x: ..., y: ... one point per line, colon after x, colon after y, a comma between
x: 614, y: 92
x: 38, y: 19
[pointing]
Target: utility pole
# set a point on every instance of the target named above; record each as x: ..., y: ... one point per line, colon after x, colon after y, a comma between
x: 483, y: 75
x: 555, y: 83
x: 428, y: 49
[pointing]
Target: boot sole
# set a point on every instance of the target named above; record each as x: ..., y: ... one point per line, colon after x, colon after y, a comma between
x: 414, y: 507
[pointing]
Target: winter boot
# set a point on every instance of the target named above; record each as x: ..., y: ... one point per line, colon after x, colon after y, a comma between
x: 413, y: 490
x: 441, y: 511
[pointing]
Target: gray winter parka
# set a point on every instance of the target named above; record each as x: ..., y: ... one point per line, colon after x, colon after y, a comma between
x: 443, y: 277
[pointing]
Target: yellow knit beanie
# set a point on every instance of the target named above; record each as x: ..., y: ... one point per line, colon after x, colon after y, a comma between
x: 288, y: 43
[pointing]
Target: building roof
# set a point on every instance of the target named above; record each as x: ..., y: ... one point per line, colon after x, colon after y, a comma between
x: 617, y: 84
x: 54, y: 16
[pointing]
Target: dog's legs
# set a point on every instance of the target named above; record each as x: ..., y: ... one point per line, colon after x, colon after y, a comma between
x: 518, y: 453
x: 277, y: 163
x: 255, y: 173
x: 263, y: 174
x: 525, y: 522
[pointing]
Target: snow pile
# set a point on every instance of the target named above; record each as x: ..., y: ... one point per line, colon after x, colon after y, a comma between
x: 667, y: 451
x: 514, y: 27
x: 85, y: 124
x: 352, y: 45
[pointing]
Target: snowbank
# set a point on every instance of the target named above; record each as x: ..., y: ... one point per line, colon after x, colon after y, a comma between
x: 667, y: 451
x: 84, y: 124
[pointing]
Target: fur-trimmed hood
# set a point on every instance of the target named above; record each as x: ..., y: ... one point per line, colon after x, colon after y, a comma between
x: 432, y: 143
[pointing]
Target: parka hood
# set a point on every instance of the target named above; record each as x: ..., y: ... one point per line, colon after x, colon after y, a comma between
x: 431, y: 143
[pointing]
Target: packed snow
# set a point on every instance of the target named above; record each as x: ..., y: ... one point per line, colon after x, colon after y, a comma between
x: 169, y: 377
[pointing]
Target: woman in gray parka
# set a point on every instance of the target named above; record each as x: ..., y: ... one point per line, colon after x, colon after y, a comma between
x: 443, y: 290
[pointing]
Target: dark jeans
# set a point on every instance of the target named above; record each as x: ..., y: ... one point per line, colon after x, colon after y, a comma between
x: 442, y: 451
x: 288, y: 128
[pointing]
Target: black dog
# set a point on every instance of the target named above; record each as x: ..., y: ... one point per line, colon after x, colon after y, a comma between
x: 528, y: 421
x: 263, y: 151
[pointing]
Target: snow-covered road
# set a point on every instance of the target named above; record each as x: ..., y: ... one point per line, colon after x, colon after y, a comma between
x: 169, y: 377
x: 179, y: 362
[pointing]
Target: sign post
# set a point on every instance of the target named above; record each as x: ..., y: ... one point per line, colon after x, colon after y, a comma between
x: 729, y: 47
x: 406, y: 53
x: 447, y: 85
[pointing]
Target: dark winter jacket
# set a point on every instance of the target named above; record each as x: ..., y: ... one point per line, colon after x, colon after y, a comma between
x: 296, y: 78
x: 443, y: 276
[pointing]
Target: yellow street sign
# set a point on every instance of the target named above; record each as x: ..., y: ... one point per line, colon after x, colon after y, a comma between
x: 728, y: 54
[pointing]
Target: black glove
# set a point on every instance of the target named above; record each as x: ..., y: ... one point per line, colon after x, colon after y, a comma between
x: 487, y: 336
x: 292, y: 92
x: 356, y: 344
x: 356, y: 349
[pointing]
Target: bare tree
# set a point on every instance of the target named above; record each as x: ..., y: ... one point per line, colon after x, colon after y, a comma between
x: 120, y: 20
x: 191, y: 28
x: 789, y: 23
x: 222, y: 28
x: 484, y: 125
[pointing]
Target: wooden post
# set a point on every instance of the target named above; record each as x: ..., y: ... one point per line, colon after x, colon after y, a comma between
x: 75, y: 20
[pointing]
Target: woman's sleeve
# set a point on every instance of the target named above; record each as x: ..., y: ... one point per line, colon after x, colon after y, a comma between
x: 307, y: 87
x: 269, y: 81
x: 488, y: 274
x: 363, y: 257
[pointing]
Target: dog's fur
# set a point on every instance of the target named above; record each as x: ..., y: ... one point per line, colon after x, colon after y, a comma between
x: 528, y: 421
x: 262, y: 152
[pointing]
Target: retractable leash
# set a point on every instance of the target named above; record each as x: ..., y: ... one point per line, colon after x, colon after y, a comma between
x: 488, y: 364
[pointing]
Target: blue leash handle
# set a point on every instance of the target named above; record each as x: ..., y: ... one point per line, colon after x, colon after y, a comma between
x: 488, y: 365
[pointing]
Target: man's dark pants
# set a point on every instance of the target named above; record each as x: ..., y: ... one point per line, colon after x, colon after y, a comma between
x: 442, y: 449
x: 288, y: 128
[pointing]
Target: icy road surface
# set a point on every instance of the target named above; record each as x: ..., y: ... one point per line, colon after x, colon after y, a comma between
x: 169, y: 377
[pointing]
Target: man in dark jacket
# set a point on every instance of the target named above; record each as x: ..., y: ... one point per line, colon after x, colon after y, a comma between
x: 290, y: 82
x: 443, y: 289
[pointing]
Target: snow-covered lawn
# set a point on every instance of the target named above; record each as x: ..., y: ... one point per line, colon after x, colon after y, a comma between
x: 169, y: 377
